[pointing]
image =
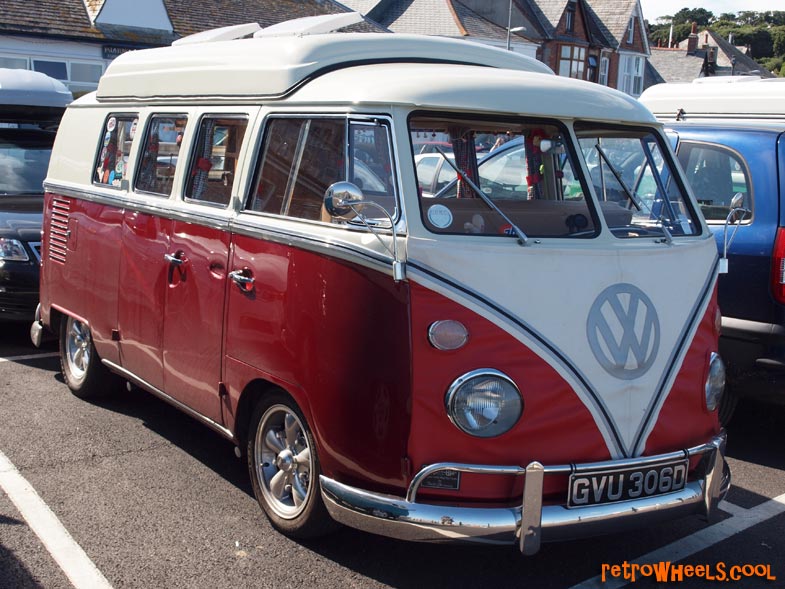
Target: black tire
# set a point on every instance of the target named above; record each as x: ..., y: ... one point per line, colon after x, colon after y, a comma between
x: 284, y: 468
x: 82, y: 369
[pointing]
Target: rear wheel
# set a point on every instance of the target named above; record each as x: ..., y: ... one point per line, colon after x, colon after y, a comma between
x: 284, y: 469
x: 82, y: 369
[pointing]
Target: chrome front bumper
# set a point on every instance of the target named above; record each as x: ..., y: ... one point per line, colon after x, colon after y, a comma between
x: 531, y: 523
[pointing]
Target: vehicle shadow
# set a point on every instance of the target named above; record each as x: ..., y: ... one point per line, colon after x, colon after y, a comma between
x: 197, y: 440
x: 13, y: 573
x: 751, y: 432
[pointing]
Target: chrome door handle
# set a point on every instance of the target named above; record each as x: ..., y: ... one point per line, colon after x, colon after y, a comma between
x: 178, y: 259
x: 242, y: 279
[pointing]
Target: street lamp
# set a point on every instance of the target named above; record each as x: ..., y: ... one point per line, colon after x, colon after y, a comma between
x: 513, y: 30
x: 509, y: 25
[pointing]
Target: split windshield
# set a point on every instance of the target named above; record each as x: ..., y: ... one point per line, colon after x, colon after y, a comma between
x: 628, y: 168
x: 522, y: 179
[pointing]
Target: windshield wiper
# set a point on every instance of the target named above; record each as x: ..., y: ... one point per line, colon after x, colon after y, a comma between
x: 636, y: 203
x: 522, y: 238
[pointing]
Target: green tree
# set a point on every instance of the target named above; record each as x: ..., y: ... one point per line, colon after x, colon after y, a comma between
x: 701, y: 16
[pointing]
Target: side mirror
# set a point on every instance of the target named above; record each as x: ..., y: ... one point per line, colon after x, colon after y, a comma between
x: 339, y: 197
x: 344, y: 199
x: 735, y: 217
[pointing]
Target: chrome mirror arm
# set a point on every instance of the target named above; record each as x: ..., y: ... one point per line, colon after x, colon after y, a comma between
x: 399, y: 268
x: 343, y: 197
x: 726, y: 243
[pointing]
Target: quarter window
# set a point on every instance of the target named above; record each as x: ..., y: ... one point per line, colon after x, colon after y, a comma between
x: 716, y: 175
x: 212, y: 170
x: 112, y: 163
x: 160, y: 154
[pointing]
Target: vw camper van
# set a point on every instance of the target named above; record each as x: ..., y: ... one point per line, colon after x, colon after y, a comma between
x: 526, y: 355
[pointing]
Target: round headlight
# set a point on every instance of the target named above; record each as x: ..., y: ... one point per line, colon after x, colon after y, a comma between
x: 715, y: 382
x: 484, y: 403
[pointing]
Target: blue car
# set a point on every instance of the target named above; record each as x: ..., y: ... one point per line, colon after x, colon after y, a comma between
x: 729, y: 136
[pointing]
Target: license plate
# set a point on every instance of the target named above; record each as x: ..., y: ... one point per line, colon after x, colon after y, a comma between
x: 612, y: 485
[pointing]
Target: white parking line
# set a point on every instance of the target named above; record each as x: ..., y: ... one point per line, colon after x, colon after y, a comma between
x: 741, y: 520
x: 29, y: 357
x: 76, y: 565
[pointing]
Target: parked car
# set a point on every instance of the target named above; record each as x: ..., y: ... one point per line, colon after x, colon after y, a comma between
x: 31, y: 104
x: 729, y: 134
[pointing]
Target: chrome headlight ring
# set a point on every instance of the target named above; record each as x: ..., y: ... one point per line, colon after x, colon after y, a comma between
x: 484, y: 403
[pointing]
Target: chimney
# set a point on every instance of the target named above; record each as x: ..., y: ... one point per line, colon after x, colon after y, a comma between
x: 692, y: 40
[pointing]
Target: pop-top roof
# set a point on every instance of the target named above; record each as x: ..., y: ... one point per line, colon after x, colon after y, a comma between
x: 273, y: 66
x: 721, y: 98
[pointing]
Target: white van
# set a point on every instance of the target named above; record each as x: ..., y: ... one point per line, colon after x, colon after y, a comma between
x: 527, y: 355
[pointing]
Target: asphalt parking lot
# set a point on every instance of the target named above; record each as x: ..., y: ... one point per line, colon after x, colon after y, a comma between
x: 128, y: 492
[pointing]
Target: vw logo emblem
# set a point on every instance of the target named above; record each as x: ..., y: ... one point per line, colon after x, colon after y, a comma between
x: 624, y: 331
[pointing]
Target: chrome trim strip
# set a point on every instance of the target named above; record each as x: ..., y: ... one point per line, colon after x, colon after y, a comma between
x: 168, y: 209
x: 530, y: 523
x: 296, y: 236
x: 171, y: 400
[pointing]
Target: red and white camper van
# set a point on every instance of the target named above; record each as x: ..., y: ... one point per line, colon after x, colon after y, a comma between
x: 529, y: 354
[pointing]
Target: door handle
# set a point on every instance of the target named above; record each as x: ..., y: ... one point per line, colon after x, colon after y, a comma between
x: 178, y: 258
x: 242, y: 278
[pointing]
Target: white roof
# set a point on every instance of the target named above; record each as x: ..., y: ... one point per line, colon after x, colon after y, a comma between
x: 473, y: 88
x: 272, y: 67
x: 27, y: 88
x: 724, y: 98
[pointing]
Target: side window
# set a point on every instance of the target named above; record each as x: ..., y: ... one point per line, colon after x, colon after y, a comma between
x: 213, y: 164
x: 302, y: 157
x: 160, y: 154
x: 112, y: 163
x: 715, y: 174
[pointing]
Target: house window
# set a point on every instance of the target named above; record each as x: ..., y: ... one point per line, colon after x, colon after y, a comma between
x: 570, y: 17
x: 572, y: 61
x: 54, y: 69
x: 631, y: 74
x: 14, y: 63
x: 591, y: 70
x: 80, y: 77
x: 604, y: 65
x: 631, y: 30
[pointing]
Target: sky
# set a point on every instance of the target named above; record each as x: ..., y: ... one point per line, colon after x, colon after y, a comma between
x: 652, y: 9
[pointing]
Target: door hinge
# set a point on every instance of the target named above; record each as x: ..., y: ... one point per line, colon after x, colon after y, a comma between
x: 222, y: 391
x: 115, y: 335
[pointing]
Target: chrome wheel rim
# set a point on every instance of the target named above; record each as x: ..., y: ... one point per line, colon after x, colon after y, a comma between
x: 78, y: 345
x: 283, y: 462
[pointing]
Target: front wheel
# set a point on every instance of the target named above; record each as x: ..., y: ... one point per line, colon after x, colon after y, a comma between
x: 82, y: 369
x: 284, y: 469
